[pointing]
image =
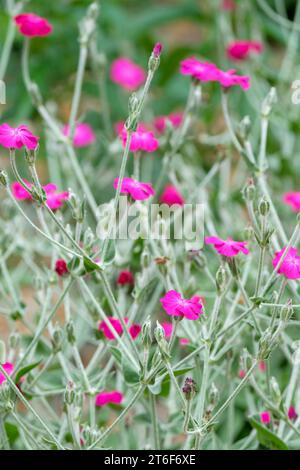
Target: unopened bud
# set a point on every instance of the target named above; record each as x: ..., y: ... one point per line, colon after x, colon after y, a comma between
x: 133, y: 103
x: 163, y: 345
x: 264, y: 207
x: 286, y: 312
x: 244, y: 128
x: 189, y: 388
x: 69, y: 395
x: 221, y: 279
x: 213, y: 395
x: 147, y: 333
x: 57, y: 339
x: 265, y: 345
x: 70, y: 332
x: 268, y: 102
x: 250, y: 191
x: 14, y: 340
x: 3, y: 178
x: 275, y: 390
x: 154, y: 60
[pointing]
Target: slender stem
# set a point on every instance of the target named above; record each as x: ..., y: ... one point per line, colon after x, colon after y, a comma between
x: 77, y: 89
x: 28, y: 405
x: 156, y: 440
x: 6, y: 51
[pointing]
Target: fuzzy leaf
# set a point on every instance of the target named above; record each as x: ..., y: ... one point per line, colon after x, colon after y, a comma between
x: 266, y: 437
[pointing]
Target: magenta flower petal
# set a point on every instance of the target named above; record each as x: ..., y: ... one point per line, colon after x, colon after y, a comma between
x: 265, y: 417
x: 175, y: 305
x: 105, y: 398
x: 138, y: 191
x: 241, y: 50
x: 17, y: 137
x: 32, y: 25
x: 84, y: 134
x: 293, y: 199
x: 127, y: 74
x: 227, y: 247
x: 9, y: 368
x: 171, y: 196
x: 290, y: 267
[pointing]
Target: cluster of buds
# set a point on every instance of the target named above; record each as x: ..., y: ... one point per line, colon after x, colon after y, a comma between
x: 189, y: 388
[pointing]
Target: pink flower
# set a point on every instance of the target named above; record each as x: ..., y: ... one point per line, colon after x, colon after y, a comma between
x: 203, y: 71
x: 19, y: 192
x: 8, y: 367
x: 171, y: 196
x: 32, y: 25
x: 127, y: 74
x: 241, y: 50
x: 138, y: 191
x: 227, y: 247
x: 61, y: 267
x: 125, y: 277
x: 207, y: 72
x: 141, y: 140
x: 54, y: 199
x: 104, y: 398
x: 157, y: 49
x: 230, y: 78
x: 228, y: 5
x: 293, y: 199
x: 292, y: 414
x: 18, y: 137
x: 290, y: 267
x: 242, y: 373
x: 262, y: 366
x: 184, y: 341
x: 107, y: 332
x: 161, y: 121
x: 175, y: 305
x: 265, y: 417
x: 168, y: 328
x: 84, y: 134
x: 134, y: 330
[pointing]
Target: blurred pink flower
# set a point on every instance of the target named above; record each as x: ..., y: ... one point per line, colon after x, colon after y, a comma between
x: 241, y: 50
x: 168, y: 328
x: 204, y: 71
x: 265, y: 417
x: 293, y: 199
x: 227, y: 247
x: 171, y: 196
x: 157, y: 49
x: 290, y: 267
x: 175, y: 305
x: 134, y: 330
x: 141, y: 140
x: 184, y: 341
x: 292, y: 414
x: 230, y: 78
x: 137, y: 190
x: 207, y: 72
x: 262, y: 366
x: 9, y: 368
x: 228, y: 5
x: 17, y: 137
x: 242, y: 373
x: 55, y: 199
x: 32, y: 25
x: 84, y: 134
x: 61, y: 267
x: 104, y: 398
x: 125, y: 277
x: 160, y: 122
x: 127, y: 74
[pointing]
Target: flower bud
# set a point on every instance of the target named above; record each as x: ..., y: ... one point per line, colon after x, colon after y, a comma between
x: 265, y: 345
x: 268, y: 102
x: 3, y: 178
x: 70, y: 332
x: 147, y: 333
x: 244, y: 128
x: 250, y: 191
x: 221, y: 279
x: 90, y: 435
x: 264, y: 207
x: 69, y: 395
x: 189, y: 388
x: 286, y: 312
x: 163, y: 345
x: 275, y: 390
x: 57, y: 339
x: 133, y: 103
x: 14, y: 340
x: 213, y: 395
x: 154, y: 60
